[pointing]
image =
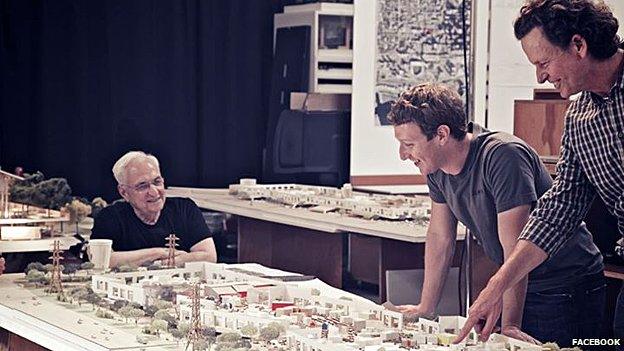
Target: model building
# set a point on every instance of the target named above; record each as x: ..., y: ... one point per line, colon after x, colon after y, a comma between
x: 232, y: 301
x: 345, y: 200
x: 23, y: 222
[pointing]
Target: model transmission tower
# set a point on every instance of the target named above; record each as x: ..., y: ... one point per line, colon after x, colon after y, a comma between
x: 55, y: 281
x: 194, y: 335
x: 171, y: 245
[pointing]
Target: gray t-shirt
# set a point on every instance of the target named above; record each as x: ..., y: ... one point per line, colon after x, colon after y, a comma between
x: 502, y: 172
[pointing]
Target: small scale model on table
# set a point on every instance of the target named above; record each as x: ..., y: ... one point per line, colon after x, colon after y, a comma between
x: 34, y: 212
x: 6, y: 180
x: 23, y: 221
x: 220, y: 307
x: 293, y: 316
x: 343, y: 200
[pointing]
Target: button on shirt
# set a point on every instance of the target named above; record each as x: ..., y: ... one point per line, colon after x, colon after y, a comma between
x: 591, y: 163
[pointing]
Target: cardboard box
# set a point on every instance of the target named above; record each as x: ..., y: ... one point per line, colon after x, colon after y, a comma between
x: 320, y: 102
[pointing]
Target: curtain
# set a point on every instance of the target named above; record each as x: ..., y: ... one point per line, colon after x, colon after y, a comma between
x: 83, y: 82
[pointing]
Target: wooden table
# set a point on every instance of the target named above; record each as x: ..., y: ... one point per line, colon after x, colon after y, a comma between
x: 296, y: 239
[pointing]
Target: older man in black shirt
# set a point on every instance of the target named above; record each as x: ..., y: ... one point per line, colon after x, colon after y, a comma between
x: 139, y: 225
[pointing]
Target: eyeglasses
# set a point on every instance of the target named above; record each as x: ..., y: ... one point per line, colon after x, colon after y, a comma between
x: 142, y: 187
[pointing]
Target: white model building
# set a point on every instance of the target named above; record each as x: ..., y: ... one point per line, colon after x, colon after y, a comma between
x: 231, y: 299
x: 393, y: 207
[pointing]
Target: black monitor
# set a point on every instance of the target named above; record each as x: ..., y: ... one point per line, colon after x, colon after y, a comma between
x: 312, y: 147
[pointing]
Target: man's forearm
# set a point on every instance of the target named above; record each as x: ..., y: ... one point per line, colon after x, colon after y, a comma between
x: 513, y: 304
x: 438, y: 255
x: 524, y: 258
x: 196, y: 256
x: 137, y: 257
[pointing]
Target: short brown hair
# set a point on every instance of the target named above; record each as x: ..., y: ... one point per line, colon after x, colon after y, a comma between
x: 430, y: 105
x: 560, y: 20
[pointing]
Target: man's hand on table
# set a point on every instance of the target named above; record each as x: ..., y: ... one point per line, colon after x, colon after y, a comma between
x: 514, y: 332
x: 413, y: 312
x: 483, y: 314
x: 161, y: 254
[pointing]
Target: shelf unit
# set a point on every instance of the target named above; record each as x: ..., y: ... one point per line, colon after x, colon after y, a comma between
x: 331, y: 48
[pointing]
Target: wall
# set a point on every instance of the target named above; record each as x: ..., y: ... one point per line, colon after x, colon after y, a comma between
x: 374, y: 150
x: 511, y: 75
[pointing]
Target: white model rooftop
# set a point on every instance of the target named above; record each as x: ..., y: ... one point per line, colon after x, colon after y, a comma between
x: 312, y: 319
x: 324, y: 199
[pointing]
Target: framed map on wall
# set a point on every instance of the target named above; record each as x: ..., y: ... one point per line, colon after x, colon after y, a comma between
x: 419, y: 41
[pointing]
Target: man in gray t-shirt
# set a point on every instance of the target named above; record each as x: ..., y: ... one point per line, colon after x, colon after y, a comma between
x: 490, y: 181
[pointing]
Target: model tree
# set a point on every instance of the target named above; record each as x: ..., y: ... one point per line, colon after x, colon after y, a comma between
x: 229, y: 341
x: 209, y: 334
x: 34, y: 190
x: 70, y: 269
x: 36, y: 277
x: 78, y: 211
x: 97, y: 205
x: 78, y: 294
x: 87, y: 266
x: 162, y: 304
x: 183, y: 327
x: 102, y: 313
x: 93, y: 298
x: 124, y: 269
x: 118, y: 304
x: 150, y: 310
x: 137, y: 313
x: 249, y: 330
x: 177, y: 334
x: 167, y: 317
x: 167, y: 293
x: 158, y: 325
x: 49, y: 268
x: 201, y: 345
x: 126, y: 312
x: 35, y: 266
x: 268, y: 333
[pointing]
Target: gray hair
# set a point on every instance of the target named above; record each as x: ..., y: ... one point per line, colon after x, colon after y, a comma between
x: 120, y: 167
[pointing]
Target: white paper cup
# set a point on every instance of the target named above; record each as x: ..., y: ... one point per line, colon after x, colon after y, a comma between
x: 99, y: 251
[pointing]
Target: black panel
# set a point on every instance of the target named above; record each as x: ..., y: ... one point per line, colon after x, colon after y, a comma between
x: 312, y: 147
x: 291, y: 66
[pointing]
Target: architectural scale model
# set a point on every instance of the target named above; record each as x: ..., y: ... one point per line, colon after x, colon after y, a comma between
x: 344, y: 200
x: 276, y: 315
x: 25, y: 222
x: 6, y: 179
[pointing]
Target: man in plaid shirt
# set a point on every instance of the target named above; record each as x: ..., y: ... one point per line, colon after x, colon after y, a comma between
x: 573, y: 45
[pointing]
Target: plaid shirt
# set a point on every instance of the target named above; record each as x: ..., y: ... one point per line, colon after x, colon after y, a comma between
x: 591, y: 162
